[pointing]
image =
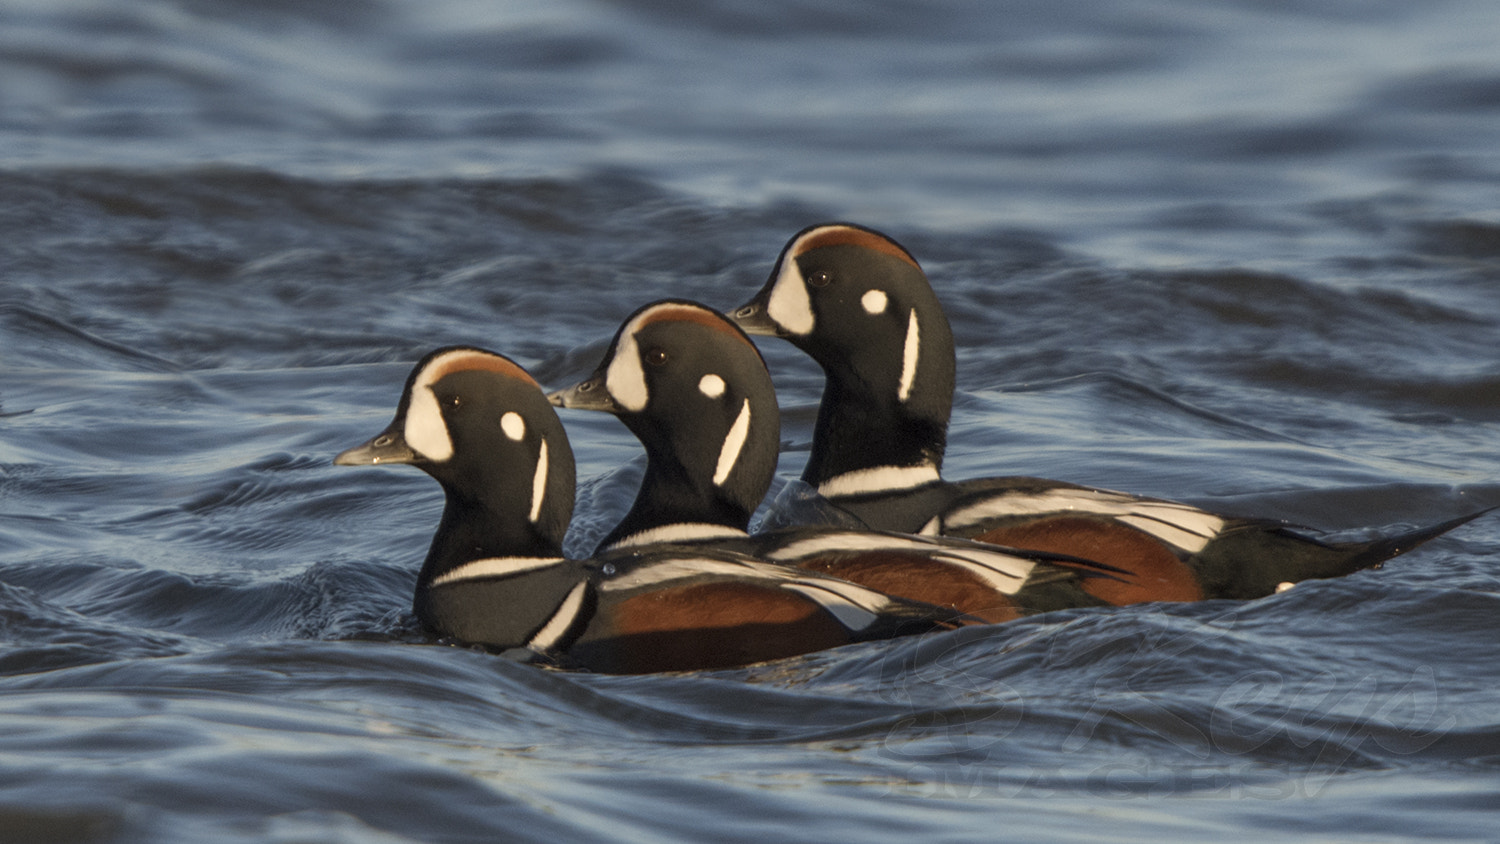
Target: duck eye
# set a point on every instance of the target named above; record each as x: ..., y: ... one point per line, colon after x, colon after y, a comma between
x: 656, y: 357
x: 820, y: 278
x: 452, y: 402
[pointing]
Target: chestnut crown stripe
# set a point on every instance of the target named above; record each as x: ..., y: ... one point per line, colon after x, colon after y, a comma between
x: 465, y: 360
x: 843, y: 235
x: 686, y: 313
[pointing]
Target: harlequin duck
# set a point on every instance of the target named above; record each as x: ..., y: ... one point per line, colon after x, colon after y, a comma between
x: 694, y: 389
x: 860, y: 305
x: 495, y: 574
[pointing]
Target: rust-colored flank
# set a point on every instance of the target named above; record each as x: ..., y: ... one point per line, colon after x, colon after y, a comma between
x: 718, y: 625
x: 1156, y: 574
x: 919, y: 578
x: 846, y: 236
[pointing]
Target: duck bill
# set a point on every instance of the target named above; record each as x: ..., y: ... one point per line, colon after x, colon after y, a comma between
x: 752, y: 318
x: 388, y: 446
x: 586, y: 395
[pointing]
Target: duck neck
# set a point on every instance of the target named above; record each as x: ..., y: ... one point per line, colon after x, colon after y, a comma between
x: 670, y: 494
x: 477, y: 528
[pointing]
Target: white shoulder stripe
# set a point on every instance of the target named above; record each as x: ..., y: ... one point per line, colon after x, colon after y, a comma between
x: 909, y: 356
x: 853, y: 606
x: 1186, y: 527
x: 495, y: 567
x: 879, y: 479
x: 680, y: 532
x: 734, y: 442
x: 558, y: 625
x: 539, y: 483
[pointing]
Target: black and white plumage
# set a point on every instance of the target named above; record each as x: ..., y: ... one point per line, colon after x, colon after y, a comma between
x: 495, y: 574
x: 707, y: 472
x: 861, y: 306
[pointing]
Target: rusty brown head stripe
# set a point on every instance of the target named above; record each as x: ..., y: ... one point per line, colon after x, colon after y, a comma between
x: 848, y: 236
x: 688, y: 313
x: 465, y: 361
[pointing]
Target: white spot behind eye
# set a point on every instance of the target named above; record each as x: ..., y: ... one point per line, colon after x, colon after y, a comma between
x: 729, y: 453
x: 513, y: 425
x: 711, y: 385
x: 873, y: 301
x: 539, y: 483
x: 425, y: 430
x: 909, y: 357
x: 789, y: 306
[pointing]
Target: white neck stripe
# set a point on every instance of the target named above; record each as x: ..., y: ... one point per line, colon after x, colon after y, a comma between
x: 879, y: 479
x: 729, y: 454
x: 494, y: 567
x: 680, y: 532
x: 539, y: 483
x: 909, y: 357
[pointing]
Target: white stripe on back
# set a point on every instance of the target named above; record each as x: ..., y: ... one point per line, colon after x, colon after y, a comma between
x: 1005, y: 573
x: 1186, y: 527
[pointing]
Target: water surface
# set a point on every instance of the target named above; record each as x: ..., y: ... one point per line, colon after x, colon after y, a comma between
x: 1243, y: 254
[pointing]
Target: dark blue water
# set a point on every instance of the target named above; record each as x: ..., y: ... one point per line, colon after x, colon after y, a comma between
x: 1245, y: 254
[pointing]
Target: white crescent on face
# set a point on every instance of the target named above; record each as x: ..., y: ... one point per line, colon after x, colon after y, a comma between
x: 426, y: 431
x: 625, y: 380
x: 789, y: 305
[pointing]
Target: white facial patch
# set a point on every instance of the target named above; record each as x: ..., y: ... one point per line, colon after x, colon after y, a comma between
x: 513, y: 426
x: 909, y: 357
x: 711, y: 386
x: 789, y: 305
x: 626, y: 378
x: 873, y: 302
x: 734, y: 442
x: 425, y: 430
x: 539, y: 483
